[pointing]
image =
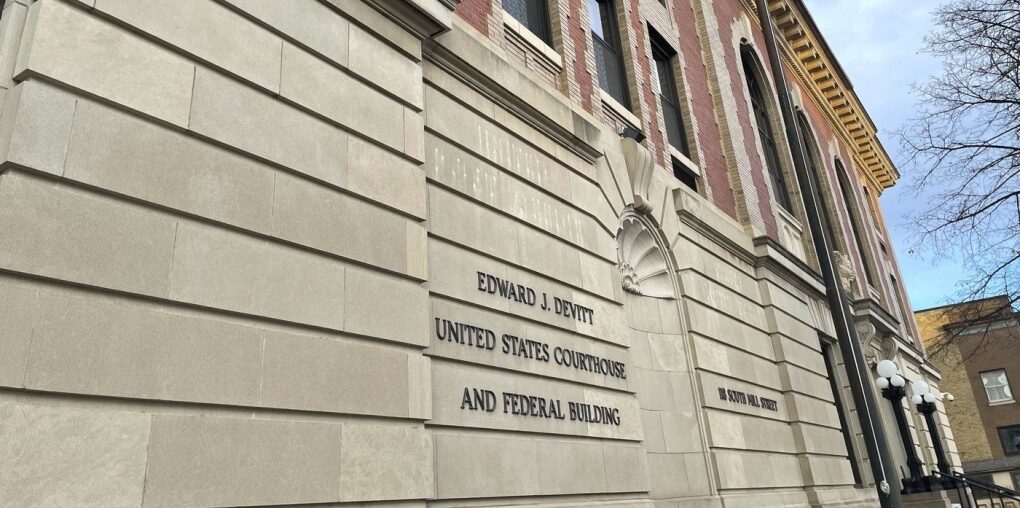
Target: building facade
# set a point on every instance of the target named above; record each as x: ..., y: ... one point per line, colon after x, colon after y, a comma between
x: 980, y: 366
x: 429, y: 252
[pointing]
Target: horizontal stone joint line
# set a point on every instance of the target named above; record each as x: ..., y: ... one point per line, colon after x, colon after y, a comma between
x: 173, y: 212
x: 214, y: 311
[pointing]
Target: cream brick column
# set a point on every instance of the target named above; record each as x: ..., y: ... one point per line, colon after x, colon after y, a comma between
x: 720, y: 84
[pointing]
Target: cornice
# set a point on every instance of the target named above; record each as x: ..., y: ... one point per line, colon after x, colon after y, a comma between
x: 424, y: 18
x: 805, y: 50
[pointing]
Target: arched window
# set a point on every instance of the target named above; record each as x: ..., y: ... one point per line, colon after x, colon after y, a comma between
x: 855, y: 223
x: 756, y: 90
x: 813, y: 158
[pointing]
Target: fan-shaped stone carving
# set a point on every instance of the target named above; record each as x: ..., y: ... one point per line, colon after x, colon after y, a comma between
x: 642, y: 263
x: 640, y: 165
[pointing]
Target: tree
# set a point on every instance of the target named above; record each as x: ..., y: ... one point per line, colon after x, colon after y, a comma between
x: 963, y: 147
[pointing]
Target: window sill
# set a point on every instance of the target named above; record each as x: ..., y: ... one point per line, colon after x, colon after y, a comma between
x: 791, y: 232
x: 875, y: 295
x: 687, y: 163
x: 788, y: 217
x: 619, y: 110
x: 541, y: 48
x: 1002, y: 403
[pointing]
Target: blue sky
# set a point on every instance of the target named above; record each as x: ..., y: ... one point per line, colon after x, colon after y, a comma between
x: 878, y: 44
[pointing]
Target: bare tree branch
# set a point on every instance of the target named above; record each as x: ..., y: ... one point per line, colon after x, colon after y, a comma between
x: 963, y: 149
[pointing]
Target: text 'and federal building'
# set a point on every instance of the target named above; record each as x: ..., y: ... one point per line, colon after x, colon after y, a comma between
x: 439, y: 253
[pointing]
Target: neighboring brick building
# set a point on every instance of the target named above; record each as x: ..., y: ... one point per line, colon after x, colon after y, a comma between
x: 410, y: 253
x: 976, y: 345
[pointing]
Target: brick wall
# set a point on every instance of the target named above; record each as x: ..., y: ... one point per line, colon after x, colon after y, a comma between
x: 725, y: 141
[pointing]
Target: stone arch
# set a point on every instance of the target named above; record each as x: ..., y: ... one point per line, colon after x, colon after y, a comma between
x: 746, y: 49
x: 820, y: 163
x: 663, y: 355
x: 858, y: 228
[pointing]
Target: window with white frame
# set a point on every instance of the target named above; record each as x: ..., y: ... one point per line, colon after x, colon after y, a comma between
x: 996, y: 386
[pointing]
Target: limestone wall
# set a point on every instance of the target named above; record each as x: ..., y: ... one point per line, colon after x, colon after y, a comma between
x: 213, y: 251
x: 264, y: 252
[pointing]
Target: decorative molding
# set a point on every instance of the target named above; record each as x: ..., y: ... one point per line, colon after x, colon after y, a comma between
x: 813, y: 62
x: 640, y: 165
x: 847, y: 273
x: 641, y: 261
x: 866, y: 331
x: 772, y: 255
x: 878, y: 346
x: 424, y: 18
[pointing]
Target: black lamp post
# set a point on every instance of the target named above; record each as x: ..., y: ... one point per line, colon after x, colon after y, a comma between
x: 893, y: 388
x: 924, y: 399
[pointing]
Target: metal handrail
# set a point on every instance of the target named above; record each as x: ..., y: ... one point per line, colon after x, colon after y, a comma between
x: 970, y: 484
x: 998, y: 489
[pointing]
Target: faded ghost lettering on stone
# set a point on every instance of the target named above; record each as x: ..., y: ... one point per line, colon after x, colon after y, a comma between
x: 476, y: 399
x: 527, y: 296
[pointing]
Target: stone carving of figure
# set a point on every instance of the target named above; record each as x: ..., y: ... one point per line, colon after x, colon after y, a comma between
x: 846, y: 272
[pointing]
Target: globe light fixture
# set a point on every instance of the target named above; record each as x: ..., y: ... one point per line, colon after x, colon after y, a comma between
x: 916, y: 399
x: 882, y: 383
x: 929, y: 398
x: 886, y: 368
x: 920, y: 387
x: 897, y: 381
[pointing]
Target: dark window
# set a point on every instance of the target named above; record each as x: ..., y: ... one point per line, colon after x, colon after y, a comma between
x: 898, y: 295
x: 837, y: 394
x: 686, y: 176
x: 533, y: 14
x: 765, y: 133
x: 871, y: 208
x: 1010, y: 437
x: 855, y: 224
x: 665, y: 86
x: 814, y: 167
x: 605, y: 36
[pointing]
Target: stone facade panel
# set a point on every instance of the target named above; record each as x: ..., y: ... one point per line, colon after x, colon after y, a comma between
x: 69, y: 46
x: 209, y: 31
x: 229, y: 271
x: 55, y: 456
x: 90, y: 346
x: 251, y: 121
x: 121, y: 153
x: 313, y: 25
x: 82, y: 237
x: 193, y: 462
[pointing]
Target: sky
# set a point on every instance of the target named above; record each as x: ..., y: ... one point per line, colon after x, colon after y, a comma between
x: 878, y: 43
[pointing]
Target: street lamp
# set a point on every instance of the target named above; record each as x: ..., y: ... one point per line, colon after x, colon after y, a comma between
x: 892, y: 384
x: 925, y: 399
